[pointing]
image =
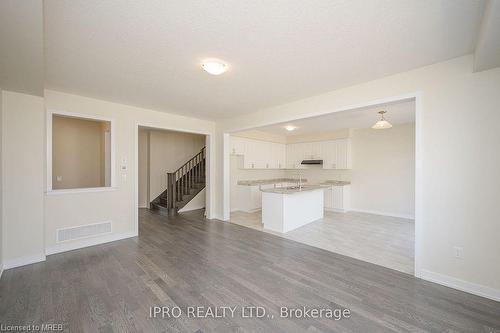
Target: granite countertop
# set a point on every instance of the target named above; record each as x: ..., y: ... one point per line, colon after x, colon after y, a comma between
x: 268, y: 181
x: 335, y: 183
x: 293, y: 189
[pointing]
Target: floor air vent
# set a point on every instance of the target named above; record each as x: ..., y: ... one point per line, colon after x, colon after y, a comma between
x: 83, y: 231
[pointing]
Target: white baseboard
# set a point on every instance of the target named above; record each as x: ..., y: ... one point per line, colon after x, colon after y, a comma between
x: 336, y: 210
x: 78, y: 244
x: 469, y: 287
x: 250, y: 210
x: 23, y: 261
x: 375, y: 212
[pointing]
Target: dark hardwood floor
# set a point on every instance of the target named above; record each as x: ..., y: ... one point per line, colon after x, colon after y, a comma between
x: 188, y: 261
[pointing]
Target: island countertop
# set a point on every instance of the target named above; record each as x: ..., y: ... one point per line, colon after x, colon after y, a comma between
x: 293, y: 189
x: 335, y: 183
x: 256, y: 182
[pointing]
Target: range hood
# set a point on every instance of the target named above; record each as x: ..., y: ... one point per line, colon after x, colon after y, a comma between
x: 312, y: 162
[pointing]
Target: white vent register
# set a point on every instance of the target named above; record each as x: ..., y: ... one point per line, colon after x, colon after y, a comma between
x: 84, y: 231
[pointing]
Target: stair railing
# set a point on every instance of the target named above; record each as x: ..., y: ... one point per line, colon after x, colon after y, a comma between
x: 181, y: 180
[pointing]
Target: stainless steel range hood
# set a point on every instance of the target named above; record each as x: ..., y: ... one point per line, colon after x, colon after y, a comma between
x: 312, y: 162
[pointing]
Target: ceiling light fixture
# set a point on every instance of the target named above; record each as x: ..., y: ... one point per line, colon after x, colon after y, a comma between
x: 214, y: 67
x: 382, y: 123
x: 290, y: 128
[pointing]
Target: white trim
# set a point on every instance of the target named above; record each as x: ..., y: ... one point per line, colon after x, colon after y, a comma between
x: 86, y: 242
x: 419, y: 238
x: 468, y: 287
x: 336, y: 210
x: 50, y: 113
x: 375, y: 212
x: 1, y: 271
x: 418, y: 158
x: 226, y: 185
x: 23, y: 261
x: 81, y: 190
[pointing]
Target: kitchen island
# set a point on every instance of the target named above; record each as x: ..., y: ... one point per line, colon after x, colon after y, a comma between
x: 288, y: 208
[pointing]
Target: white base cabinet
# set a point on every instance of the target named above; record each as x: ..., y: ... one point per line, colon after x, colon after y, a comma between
x: 338, y: 198
x: 249, y: 198
x: 283, y: 212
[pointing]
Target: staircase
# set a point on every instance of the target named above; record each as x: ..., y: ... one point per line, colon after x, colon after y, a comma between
x: 182, y: 186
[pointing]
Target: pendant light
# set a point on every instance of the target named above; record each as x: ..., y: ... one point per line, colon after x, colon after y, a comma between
x: 382, y: 123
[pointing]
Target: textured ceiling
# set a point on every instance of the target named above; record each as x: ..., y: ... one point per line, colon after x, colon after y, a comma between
x: 397, y: 113
x: 148, y: 53
x: 21, y: 46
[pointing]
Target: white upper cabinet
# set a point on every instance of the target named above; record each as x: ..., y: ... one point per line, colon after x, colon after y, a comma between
x: 343, y: 154
x: 336, y: 154
x: 278, y: 154
x: 237, y: 145
x: 329, y: 154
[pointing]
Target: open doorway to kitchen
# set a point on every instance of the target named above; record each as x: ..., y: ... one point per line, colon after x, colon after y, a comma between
x: 336, y: 181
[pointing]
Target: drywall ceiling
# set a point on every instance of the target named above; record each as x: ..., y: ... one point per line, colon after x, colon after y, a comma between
x: 397, y: 113
x: 21, y: 46
x: 487, y: 52
x: 148, y: 53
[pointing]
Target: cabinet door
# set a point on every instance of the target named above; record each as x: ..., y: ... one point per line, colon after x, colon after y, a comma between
x: 277, y: 160
x: 265, y: 155
x: 344, y: 154
x: 338, y: 197
x: 249, y: 152
x: 237, y: 145
x: 330, y: 153
x: 290, y: 156
x: 329, y: 197
x: 256, y: 198
x: 282, y: 161
x: 315, y: 150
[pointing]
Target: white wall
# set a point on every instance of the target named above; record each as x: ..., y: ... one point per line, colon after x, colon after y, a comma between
x: 261, y: 135
x: 23, y: 132
x: 383, y: 171
x: 118, y: 205
x: 459, y: 183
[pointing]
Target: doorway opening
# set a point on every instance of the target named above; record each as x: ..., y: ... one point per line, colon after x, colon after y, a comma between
x: 365, y: 177
x: 172, y: 171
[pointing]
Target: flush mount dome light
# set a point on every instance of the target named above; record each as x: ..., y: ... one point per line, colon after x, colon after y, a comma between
x: 214, y: 67
x: 382, y: 123
x: 290, y: 128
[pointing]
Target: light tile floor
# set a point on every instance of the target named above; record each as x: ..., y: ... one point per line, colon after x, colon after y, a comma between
x: 382, y: 240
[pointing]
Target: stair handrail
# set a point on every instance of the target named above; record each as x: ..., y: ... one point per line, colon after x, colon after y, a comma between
x: 181, y: 180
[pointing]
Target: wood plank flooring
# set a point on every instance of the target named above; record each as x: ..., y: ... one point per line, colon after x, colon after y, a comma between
x: 188, y: 261
x: 382, y: 240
